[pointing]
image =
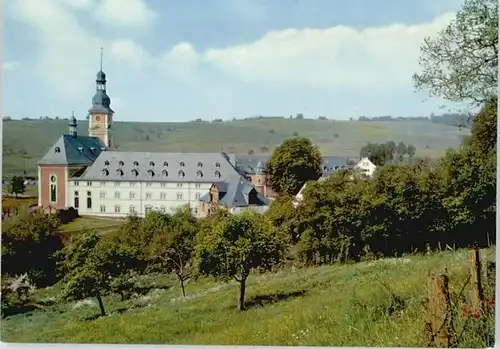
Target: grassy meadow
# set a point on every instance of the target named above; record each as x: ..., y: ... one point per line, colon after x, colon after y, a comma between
x: 335, y: 138
x: 372, y: 303
x: 101, y: 225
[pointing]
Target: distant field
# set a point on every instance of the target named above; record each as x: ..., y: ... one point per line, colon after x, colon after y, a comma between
x: 25, y: 142
x: 101, y: 225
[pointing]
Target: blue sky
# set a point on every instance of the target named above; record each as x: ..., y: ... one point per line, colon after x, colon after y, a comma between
x: 171, y: 60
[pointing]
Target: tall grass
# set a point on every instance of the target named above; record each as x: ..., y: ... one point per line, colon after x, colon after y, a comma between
x: 340, y: 305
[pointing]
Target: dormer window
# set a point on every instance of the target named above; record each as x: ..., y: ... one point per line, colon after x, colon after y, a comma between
x: 92, y: 148
x: 217, y: 174
x: 135, y: 173
x: 151, y: 173
x: 164, y: 173
x: 136, y: 163
x: 217, y: 164
x: 181, y: 174
x: 104, y: 172
x: 151, y: 163
x: 119, y: 172
x: 199, y: 174
x: 106, y: 163
x: 57, y: 150
x: 181, y: 163
x: 120, y: 163
x: 200, y: 164
x: 80, y: 149
x: 165, y: 164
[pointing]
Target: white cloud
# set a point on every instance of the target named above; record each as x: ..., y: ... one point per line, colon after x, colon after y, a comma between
x: 130, y: 52
x: 125, y: 13
x: 337, y: 56
x: 10, y: 65
x: 333, y: 59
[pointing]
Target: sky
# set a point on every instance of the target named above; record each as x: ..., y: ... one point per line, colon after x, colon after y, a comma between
x: 171, y: 60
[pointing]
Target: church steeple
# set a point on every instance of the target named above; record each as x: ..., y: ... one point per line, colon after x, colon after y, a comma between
x: 72, y: 125
x: 100, y: 114
x: 101, y: 100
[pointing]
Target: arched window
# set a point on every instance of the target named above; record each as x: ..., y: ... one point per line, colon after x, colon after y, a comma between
x: 136, y: 163
x: 217, y: 174
x: 182, y: 163
x: 106, y: 163
x: 149, y: 209
x: 89, y: 200
x: 199, y: 174
x: 200, y: 164
x: 53, y: 188
x: 135, y: 173
x: 217, y: 164
x: 164, y: 173
x: 151, y: 163
x: 104, y: 172
x: 120, y: 163
x: 151, y: 173
x: 165, y: 164
x: 181, y: 174
x: 119, y: 172
x: 76, y: 201
x: 57, y: 150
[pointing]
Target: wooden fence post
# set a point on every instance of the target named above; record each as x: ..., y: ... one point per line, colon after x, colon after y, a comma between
x: 476, y: 290
x: 441, y: 324
x: 483, y: 258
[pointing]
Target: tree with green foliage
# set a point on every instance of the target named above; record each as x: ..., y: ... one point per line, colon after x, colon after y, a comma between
x: 292, y: 164
x: 411, y: 151
x: 236, y: 245
x: 379, y: 154
x: 16, y: 185
x: 401, y: 150
x: 172, y: 244
x: 29, y: 245
x: 282, y: 214
x: 461, y: 63
x: 90, y: 264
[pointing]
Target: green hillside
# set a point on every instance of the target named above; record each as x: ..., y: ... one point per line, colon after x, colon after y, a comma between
x: 25, y: 142
x: 338, y: 305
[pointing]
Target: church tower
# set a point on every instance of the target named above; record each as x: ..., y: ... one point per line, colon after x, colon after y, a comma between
x: 100, y: 114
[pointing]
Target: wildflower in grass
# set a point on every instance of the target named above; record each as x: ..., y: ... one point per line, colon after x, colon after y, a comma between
x: 475, y: 315
x: 490, y: 303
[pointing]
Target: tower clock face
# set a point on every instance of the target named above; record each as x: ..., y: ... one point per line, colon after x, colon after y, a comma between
x: 98, y: 118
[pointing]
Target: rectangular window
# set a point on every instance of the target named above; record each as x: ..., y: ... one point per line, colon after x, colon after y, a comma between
x: 117, y: 208
x: 132, y: 184
x: 102, y: 195
x: 197, y: 185
x: 132, y: 209
x: 179, y: 185
x: 117, y: 184
x: 148, y: 184
x: 163, y: 196
x: 163, y: 185
x: 148, y: 195
x: 197, y: 196
x: 179, y: 196
x: 162, y: 209
x: 89, y: 184
x: 102, y: 184
x: 53, y: 193
x: 89, y: 203
x: 148, y: 209
x: 76, y: 183
x: 132, y: 195
x: 103, y: 208
x: 117, y: 194
x: 77, y: 202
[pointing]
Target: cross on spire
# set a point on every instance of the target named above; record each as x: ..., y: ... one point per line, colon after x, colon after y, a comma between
x: 101, y: 56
